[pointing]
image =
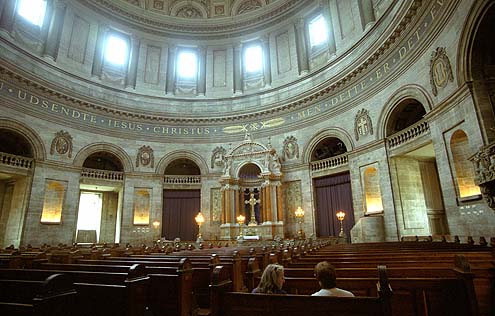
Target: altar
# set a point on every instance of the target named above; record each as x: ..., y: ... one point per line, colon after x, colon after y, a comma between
x: 251, y: 193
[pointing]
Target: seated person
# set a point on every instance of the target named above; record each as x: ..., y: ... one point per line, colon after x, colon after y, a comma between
x: 272, y: 280
x: 325, y: 274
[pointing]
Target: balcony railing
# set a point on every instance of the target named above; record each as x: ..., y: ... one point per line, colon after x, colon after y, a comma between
x: 16, y: 161
x: 329, y: 163
x: 404, y: 136
x: 102, y: 174
x: 176, y: 179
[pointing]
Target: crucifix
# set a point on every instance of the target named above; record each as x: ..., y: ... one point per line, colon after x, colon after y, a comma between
x: 252, y: 201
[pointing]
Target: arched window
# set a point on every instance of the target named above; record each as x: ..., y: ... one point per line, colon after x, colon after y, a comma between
x: 464, y: 170
x: 372, y: 192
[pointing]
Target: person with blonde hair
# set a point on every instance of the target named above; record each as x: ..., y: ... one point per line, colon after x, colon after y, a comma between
x: 272, y: 280
x: 325, y: 274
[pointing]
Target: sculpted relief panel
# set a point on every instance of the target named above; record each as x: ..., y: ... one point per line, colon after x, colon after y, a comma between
x: 219, y: 69
x: 153, y: 55
x: 78, y: 40
x: 283, y: 53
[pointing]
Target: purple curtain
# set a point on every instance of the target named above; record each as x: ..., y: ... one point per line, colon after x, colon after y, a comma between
x: 333, y: 194
x: 179, y: 209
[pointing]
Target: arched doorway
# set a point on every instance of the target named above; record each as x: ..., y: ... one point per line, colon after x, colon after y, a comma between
x: 16, y: 168
x: 332, y: 192
x: 99, y: 199
x: 181, y: 200
x: 414, y: 173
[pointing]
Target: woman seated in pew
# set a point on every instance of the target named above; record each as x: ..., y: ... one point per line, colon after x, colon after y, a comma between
x: 325, y: 274
x: 272, y: 280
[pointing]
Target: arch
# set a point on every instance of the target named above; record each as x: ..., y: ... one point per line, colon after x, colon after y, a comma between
x: 252, y: 162
x: 412, y: 91
x: 111, y: 148
x: 464, y: 169
x: 181, y: 5
x: 196, y: 158
x: 467, y: 40
x: 321, y: 135
x: 39, y: 151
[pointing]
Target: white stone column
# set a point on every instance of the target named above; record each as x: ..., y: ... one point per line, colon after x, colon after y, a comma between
x: 54, y: 29
x: 301, y: 47
x: 133, y: 62
x: 202, y: 71
x: 238, y: 68
x: 172, y: 52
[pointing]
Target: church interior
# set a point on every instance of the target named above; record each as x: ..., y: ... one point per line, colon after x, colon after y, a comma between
x: 278, y: 129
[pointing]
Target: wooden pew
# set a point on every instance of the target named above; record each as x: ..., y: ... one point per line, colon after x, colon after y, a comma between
x: 247, y: 304
x: 98, y: 293
x: 55, y: 296
x: 170, y: 287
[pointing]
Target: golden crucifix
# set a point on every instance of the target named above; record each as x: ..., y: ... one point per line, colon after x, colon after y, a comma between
x: 252, y: 201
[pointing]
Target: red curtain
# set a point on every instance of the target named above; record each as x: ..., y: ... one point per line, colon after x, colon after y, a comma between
x: 179, y: 209
x: 333, y: 193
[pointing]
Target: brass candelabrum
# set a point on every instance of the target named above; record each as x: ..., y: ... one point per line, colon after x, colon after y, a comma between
x: 200, y: 219
x: 240, y: 220
x: 340, y: 217
x: 300, y: 219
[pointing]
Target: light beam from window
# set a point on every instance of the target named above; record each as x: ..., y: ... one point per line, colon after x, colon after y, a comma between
x: 318, y: 32
x: 33, y: 11
x: 187, y: 65
x: 116, y: 50
x: 253, y: 59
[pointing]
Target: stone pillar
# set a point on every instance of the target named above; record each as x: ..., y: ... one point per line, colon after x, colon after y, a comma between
x: 8, y: 10
x: 366, y: 12
x: 55, y: 29
x: 99, y: 50
x: 328, y: 18
x: 202, y: 71
x: 268, y: 203
x: 280, y: 214
x: 225, y: 204
x: 133, y: 63
x: 301, y: 47
x: 172, y: 52
x: 267, y: 69
x: 238, y: 203
x: 237, y: 68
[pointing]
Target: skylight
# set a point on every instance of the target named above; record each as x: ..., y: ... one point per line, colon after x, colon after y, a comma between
x: 32, y: 10
x: 116, y: 50
x: 187, y: 64
x: 253, y: 59
x: 318, y: 32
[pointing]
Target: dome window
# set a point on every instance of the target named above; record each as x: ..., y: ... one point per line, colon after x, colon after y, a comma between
x: 318, y: 32
x: 253, y: 59
x: 187, y: 65
x: 33, y: 11
x: 116, y: 50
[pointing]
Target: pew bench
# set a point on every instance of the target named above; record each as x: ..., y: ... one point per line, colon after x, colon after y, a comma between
x: 54, y: 296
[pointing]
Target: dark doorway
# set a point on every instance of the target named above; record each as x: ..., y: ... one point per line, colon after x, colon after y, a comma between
x: 179, y: 209
x: 333, y: 194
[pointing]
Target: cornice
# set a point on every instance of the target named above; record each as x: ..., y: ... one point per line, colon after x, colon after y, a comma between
x: 322, y: 92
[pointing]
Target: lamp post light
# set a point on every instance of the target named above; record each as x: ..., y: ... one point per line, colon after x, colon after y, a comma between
x: 200, y: 219
x: 340, y: 217
x: 156, y: 225
x: 240, y: 219
x: 300, y: 219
